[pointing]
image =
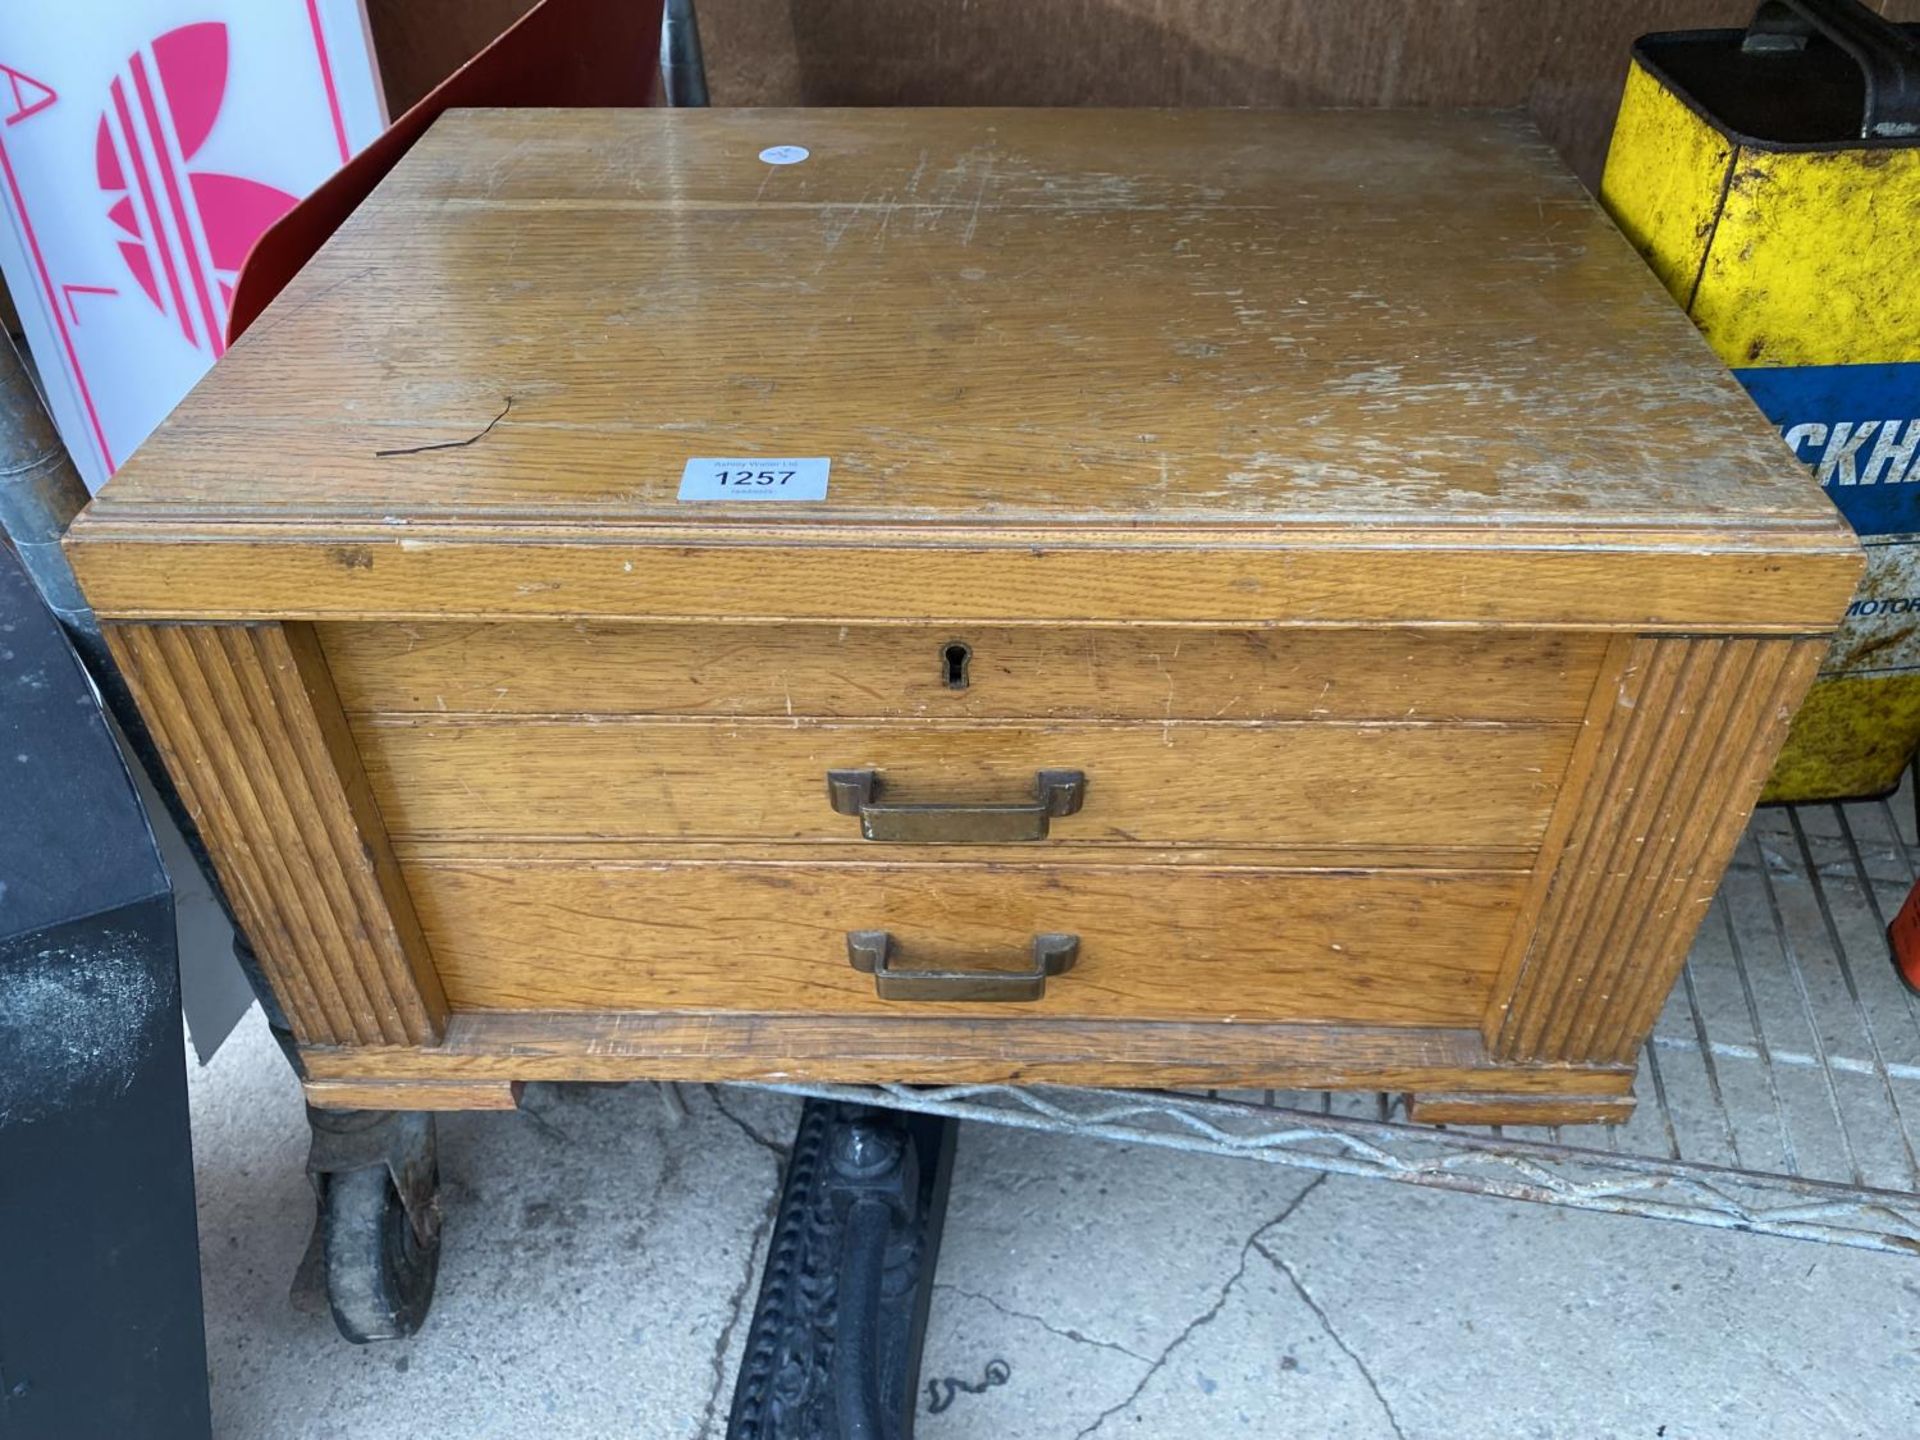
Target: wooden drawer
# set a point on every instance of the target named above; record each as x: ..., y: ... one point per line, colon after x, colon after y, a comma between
x: 1069, y: 672
x: 1423, y: 786
x: 1171, y: 942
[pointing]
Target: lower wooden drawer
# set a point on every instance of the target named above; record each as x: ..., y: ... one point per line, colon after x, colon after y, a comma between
x: 1165, y: 943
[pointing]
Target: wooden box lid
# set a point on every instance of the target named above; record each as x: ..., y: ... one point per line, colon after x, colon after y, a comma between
x: 1183, y: 328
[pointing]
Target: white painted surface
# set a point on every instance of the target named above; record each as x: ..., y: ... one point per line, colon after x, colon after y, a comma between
x: 196, y: 114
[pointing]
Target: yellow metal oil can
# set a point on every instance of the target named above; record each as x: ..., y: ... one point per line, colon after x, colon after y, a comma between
x: 1771, y: 177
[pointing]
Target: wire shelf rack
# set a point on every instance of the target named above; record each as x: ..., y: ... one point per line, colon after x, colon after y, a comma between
x: 1779, y: 1094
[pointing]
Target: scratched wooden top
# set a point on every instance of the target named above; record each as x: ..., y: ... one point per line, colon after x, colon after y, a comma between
x: 991, y: 317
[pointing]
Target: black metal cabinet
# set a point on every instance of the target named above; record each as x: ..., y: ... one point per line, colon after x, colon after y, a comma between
x: 100, y: 1317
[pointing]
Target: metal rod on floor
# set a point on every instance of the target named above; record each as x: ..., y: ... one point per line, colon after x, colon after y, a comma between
x: 1760, y: 1045
x: 1792, y: 1059
x: 1790, y: 954
x: 1660, y: 1099
x: 1707, y: 1058
x: 1872, y: 895
x: 1455, y: 1158
x: 1839, y: 949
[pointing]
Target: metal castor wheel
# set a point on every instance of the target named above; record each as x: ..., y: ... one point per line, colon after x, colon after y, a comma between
x: 376, y: 1177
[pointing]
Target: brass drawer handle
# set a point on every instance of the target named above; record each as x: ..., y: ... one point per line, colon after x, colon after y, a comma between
x: 1055, y: 792
x: 872, y: 952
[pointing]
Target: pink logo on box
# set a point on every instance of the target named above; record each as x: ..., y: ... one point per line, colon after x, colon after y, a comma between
x: 187, y: 230
x: 30, y: 97
x: 142, y: 154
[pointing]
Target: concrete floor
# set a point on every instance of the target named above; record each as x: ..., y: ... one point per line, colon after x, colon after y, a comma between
x: 602, y: 1257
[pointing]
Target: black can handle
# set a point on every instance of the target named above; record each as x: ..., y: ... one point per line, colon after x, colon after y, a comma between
x: 1887, y: 54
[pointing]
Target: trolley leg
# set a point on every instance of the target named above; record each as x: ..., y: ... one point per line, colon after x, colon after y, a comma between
x: 834, y: 1349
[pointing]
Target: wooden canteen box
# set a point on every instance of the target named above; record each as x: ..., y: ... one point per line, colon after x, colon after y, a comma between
x: 1120, y: 598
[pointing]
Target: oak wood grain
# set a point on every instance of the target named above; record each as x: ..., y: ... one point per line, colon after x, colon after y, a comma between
x: 597, y: 850
x: 251, y: 732
x: 1690, y: 729
x: 1372, y: 369
x: 1388, y: 317
x: 412, y: 1094
x: 1590, y: 754
x: 620, y: 1047
x: 1086, y: 672
x: 1790, y: 579
x: 756, y: 779
x: 1486, y: 1109
x: 1155, y: 943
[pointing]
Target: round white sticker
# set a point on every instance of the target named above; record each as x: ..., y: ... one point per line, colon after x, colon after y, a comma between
x: 784, y: 154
